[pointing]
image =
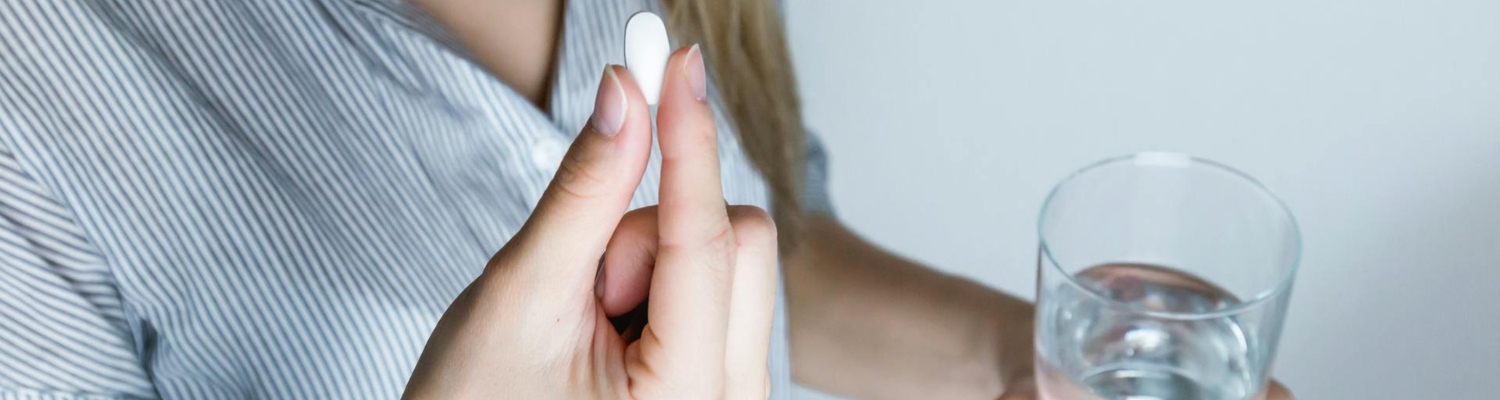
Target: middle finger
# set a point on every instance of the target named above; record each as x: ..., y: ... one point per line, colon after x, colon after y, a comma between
x: 691, y: 285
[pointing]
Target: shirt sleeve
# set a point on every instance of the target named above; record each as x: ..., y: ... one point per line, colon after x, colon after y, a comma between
x: 63, y: 330
x: 815, y: 177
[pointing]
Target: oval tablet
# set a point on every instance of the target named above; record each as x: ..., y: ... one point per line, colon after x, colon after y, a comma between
x: 646, y: 52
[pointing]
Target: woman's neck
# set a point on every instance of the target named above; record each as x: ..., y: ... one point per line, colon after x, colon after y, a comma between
x: 516, y: 40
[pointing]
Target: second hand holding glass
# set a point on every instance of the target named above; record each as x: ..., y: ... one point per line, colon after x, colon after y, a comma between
x: 1161, y: 277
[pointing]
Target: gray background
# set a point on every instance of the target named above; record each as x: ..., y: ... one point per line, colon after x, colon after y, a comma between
x: 1378, y: 122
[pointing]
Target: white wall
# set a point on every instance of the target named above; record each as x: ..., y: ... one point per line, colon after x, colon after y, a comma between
x: 1378, y: 121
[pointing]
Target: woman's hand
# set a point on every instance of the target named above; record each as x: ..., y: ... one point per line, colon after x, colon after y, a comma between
x: 1024, y: 388
x: 535, y: 324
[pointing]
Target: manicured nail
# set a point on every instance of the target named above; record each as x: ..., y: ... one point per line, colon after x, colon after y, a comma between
x: 609, y: 104
x: 693, y: 66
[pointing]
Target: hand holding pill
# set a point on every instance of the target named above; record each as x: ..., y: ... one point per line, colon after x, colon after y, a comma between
x: 536, y: 323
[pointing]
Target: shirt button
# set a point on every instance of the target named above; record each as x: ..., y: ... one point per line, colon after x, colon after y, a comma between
x: 548, y: 151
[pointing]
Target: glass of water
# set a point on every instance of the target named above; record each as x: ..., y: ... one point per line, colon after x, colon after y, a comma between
x: 1161, y: 277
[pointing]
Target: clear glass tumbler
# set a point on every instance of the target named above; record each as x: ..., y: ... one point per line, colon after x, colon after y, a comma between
x: 1161, y: 277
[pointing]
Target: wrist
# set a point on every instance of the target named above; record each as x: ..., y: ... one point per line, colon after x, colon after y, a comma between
x: 999, y: 333
x: 1018, y: 355
x: 1010, y: 331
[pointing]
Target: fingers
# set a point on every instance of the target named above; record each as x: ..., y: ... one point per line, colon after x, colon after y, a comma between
x: 1278, y: 392
x: 713, y: 283
x: 752, y: 303
x: 691, y: 285
x: 692, y: 199
x: 593, y: 185
x: 625, y: 276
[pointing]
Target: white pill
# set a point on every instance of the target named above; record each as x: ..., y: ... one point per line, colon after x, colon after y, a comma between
x: 646, y: 52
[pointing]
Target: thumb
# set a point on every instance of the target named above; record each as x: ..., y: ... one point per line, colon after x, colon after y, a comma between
x: 577, y: 213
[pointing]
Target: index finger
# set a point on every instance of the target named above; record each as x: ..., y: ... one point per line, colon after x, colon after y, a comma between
x: 692, y: 198
x: 692, y: 280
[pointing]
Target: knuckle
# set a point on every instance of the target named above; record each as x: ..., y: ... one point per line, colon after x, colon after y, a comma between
x: 577, y: 179
x: 706, y: 137
x: 753, y: 226
x: 638, y: 220
x: 710, y: 244
x: 721, y: 240
x: 694, y: 141
x: 501, y: 260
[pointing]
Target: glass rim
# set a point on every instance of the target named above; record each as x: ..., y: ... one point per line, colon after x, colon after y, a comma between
x: 1162, y: 158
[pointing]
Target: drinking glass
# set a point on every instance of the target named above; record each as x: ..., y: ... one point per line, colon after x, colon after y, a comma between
x: 1161, y: 276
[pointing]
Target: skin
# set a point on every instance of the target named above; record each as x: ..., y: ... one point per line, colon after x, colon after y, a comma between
x: 535, y: 324
x: 864, y: 322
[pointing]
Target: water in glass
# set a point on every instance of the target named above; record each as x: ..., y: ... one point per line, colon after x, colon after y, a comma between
x: 1099, y: 344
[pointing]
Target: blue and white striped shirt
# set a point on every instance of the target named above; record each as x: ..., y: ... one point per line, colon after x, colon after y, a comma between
x: 269, y: 199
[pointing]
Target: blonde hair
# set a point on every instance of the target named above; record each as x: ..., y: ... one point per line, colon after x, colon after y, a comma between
x: 745, y: 46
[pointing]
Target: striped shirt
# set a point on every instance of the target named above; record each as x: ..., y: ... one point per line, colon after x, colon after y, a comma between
x: 270, y: 199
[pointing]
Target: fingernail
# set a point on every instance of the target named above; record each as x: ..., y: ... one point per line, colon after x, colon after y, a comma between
x: 609, y: 104
x: 693, y: 66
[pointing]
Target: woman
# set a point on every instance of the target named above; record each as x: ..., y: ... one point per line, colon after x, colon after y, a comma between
x: 303, y: 199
